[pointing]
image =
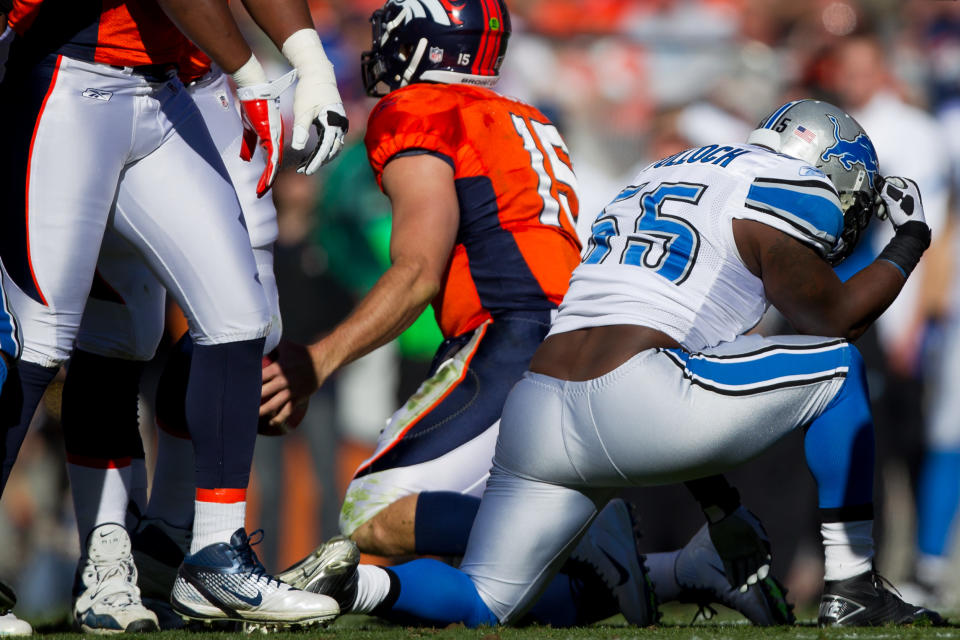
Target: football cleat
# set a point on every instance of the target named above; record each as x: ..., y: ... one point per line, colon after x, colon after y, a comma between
x: 865, y: 601
x: 11, y: 625
x: 158, y: 550
x: 699, y: 571
x: 106, y: 597
x: 331, y: 569
x: 227, y: 582
x: 610, y: 548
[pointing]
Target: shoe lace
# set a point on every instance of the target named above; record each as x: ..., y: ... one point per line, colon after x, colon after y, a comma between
x: 114, y: 582
x: 249, y: 559
x: 882, y: 584
x: 704, y: 612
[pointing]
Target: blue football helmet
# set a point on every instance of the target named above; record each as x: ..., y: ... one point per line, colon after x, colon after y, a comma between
x: 452, y: 41
x: 828, y: 138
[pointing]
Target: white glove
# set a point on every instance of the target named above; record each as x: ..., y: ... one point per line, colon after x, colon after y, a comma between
x: 900, y: 201
x: 316, y: 100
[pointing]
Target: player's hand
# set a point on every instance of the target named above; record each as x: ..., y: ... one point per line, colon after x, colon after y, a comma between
x: 744, y: 547
x: 317, y: 102
x: 900, y: 201
x: 287, y: 383
x: 263, y: 125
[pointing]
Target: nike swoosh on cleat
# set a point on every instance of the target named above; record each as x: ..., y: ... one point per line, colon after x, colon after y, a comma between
x: 253, y: 602
x: 621, y: 570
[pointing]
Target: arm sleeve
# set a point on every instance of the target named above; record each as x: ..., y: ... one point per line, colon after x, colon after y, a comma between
x: 806, y: 209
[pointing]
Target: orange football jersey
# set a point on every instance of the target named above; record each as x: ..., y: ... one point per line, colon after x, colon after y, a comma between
x: 517, y: 244
x: 118, y: 32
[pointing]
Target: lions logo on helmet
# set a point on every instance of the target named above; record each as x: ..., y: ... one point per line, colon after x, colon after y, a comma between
x: 849, y: 152
x: 829, y: 140
x: 452, y: 41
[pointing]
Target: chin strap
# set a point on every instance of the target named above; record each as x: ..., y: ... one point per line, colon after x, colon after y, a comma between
x: 414, y: 62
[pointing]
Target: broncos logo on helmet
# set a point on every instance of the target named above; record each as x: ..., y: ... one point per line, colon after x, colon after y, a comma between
x: 850, y: 152
x: 440, y: 11
x: 452, y: 41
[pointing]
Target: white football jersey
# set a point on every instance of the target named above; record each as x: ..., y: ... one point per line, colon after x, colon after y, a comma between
x: 662, y: 254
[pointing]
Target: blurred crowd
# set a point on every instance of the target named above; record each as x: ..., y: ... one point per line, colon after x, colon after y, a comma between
x: 626, y: 82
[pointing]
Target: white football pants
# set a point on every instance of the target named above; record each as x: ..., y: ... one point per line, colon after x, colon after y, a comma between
x: 105, y: 136
x: 565, y: 447
x: 127, y: 320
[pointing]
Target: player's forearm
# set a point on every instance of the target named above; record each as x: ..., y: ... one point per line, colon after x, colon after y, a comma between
x: 210, y: 25
x: 280, y: 19
x: 395, y: 301
x: 857, y: 304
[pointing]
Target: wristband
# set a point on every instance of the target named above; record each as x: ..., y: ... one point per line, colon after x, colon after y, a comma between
x: 304, y: 51
x: 907, y: 246
x: 249, y: 74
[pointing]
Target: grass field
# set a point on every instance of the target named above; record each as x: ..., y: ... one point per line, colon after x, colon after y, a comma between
x: 674, y: 626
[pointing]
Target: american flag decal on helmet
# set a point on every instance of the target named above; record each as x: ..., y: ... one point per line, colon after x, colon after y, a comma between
x: 805, y: 134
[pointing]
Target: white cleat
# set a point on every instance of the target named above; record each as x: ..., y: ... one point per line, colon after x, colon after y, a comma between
x: 11, y: 625
x: 227, y: 582
x: 107, y: 599
x: 331, y: 569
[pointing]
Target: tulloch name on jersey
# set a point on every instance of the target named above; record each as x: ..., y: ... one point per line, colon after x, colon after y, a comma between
x: 710, y: 154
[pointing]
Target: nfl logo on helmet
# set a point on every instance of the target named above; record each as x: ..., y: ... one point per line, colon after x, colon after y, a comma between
x: 436, y: 55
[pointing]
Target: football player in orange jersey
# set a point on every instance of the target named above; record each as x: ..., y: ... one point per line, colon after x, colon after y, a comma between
x: 484, y: 206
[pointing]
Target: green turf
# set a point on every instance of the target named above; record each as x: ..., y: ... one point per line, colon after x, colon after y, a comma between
x: 675, y: 625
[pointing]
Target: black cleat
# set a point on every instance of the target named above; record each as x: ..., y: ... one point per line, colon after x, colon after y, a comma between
x: 865, y: 601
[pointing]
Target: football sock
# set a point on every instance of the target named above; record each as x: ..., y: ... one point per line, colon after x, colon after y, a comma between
x: 431, y: 591
x: 573, y: 599
x: 101, y: 490
x: 222, y: 407
x: 137, y: 505
x: 172, y: 494
x: 219, y: 513
x: 172, y: 389
x: 847, y: 548
x: 662, y: 570
x: 373, y: 588
x: 715, y: 496
x: 443, y: 521
x: 18, y: 402
x: 938, y: 496
x: 839, y: 449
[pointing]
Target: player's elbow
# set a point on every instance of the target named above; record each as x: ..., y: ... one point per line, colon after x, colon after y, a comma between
x: 423, y: 283
x: 426, y: 288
